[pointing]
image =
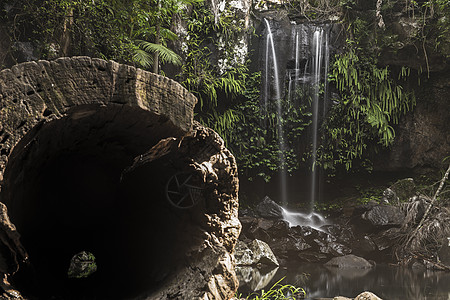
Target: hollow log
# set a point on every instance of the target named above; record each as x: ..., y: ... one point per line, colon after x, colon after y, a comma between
x: 105, y: 158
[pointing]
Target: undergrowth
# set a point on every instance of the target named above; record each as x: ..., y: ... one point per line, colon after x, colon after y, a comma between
x: 278, y: 292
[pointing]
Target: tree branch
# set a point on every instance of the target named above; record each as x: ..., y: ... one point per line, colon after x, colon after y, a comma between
x: 438, y: 191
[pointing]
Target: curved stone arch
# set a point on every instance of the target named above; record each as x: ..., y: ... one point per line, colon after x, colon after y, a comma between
x: 83, y: 122
x: 36, y: 92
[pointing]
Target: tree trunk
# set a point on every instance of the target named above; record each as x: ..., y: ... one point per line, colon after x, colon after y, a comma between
x: 67, y: 32
x: 156, y: 54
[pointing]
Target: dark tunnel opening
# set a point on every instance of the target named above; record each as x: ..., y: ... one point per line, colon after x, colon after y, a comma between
x: 64, y: 193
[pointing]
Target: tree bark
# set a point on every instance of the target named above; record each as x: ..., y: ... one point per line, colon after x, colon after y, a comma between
x: 67, y: 33
x: 156, y: 54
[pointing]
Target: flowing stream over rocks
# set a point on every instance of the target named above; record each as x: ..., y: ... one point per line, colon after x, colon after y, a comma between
x: 351, y: 251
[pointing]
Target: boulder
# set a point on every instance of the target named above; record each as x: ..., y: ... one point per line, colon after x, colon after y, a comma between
x: 400, y: 191
x: 349, y: 261
x: 444, y: 252
x: 367, y: 296
x: 386, y: 239
x: 268, y: 208
x: 363, y: 245
x: 82, y: 265
x: 384, y: 215
x: 255, y: 253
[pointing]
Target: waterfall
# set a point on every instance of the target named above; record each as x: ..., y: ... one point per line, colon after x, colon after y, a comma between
x: 305, y: 62
x: 320, y: 65
x: 270, y: 49
x: 315, y: 76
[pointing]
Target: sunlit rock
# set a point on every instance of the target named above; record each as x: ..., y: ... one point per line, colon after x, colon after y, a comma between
x: 254, y: 253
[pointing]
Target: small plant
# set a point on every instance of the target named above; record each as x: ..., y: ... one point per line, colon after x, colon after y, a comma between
x: 279, y: 292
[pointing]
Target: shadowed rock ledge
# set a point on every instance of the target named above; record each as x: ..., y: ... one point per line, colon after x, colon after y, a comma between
x: 101, y: 157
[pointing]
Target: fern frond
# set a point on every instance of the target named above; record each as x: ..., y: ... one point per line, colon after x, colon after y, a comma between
x: 165, y: 54
x: 142, y: 58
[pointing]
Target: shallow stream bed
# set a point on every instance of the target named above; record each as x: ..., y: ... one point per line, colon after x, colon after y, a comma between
x: 387, y: 282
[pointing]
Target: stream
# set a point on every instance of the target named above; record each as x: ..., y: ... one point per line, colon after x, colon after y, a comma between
x: 387, y: 282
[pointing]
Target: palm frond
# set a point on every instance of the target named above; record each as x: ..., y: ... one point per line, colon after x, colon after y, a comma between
x: 165, y: 54
x: 168, y: 34
x: 142, y: 58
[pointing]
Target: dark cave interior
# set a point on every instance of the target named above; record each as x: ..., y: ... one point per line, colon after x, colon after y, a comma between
x: 64, y: 193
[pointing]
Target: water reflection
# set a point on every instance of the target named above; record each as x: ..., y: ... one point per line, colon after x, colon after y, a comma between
x: 253, y: 279
x: 387, y: 282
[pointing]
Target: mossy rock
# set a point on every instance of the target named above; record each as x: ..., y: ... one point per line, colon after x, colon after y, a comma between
x: 82, y: 265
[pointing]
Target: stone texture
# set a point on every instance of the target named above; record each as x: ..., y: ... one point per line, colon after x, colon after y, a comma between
x: 349, y: 261
x: 367, y: 296
x: 53, y: 97
x: 34, y: 93
x: 268, y: 208
x: 444, y: 252
x: 255, y: 253
x: 209, y: 271
x: 384, y: 215
x: 421, y: 141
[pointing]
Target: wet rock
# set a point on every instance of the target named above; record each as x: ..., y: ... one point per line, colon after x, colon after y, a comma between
x: 342, y: 233
x: 444, y: 252
x: 338, y: 249
x: 288, y: 246
x: 400, y: 191
x: 386, y: 239
x: 245, y: 213
x: 312, y: 256
x: 254, y: 253
x: 363, y: 245
x: 367, y: 296
x: 384, y: 215
x: 254, y: 279
x: 268, y: 208
x: 260, y: 230
x: 349, y: 261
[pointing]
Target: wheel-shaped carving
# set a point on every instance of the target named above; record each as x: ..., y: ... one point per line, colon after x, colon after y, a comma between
x: 184, y: 190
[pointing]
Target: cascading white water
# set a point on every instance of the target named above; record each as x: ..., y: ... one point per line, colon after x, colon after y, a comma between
x: 276, y: 84
x: 308, y: 58
x: 311, y: 219
x: 316, y: 79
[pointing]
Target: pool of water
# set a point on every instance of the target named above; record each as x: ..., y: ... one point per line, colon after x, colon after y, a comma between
x: 387, y: 282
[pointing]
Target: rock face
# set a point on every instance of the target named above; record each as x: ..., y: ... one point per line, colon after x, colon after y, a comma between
x: 88, y: 149
x: 254, y: 253
x: 268, y: 208
x: 384, y: 215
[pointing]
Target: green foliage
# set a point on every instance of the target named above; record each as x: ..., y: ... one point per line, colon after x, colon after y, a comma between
x: 129, y: 31
x: 369, y: 194
x: 143, y: 58
x: 255, y: 141
x: 217, y: 86
x: 370, y: 104
x: 279, y: 292
x: 199, y: 75
x: 82, y: 265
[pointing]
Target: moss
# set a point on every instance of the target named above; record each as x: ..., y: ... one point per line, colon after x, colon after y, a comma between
x: 82, y: 265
